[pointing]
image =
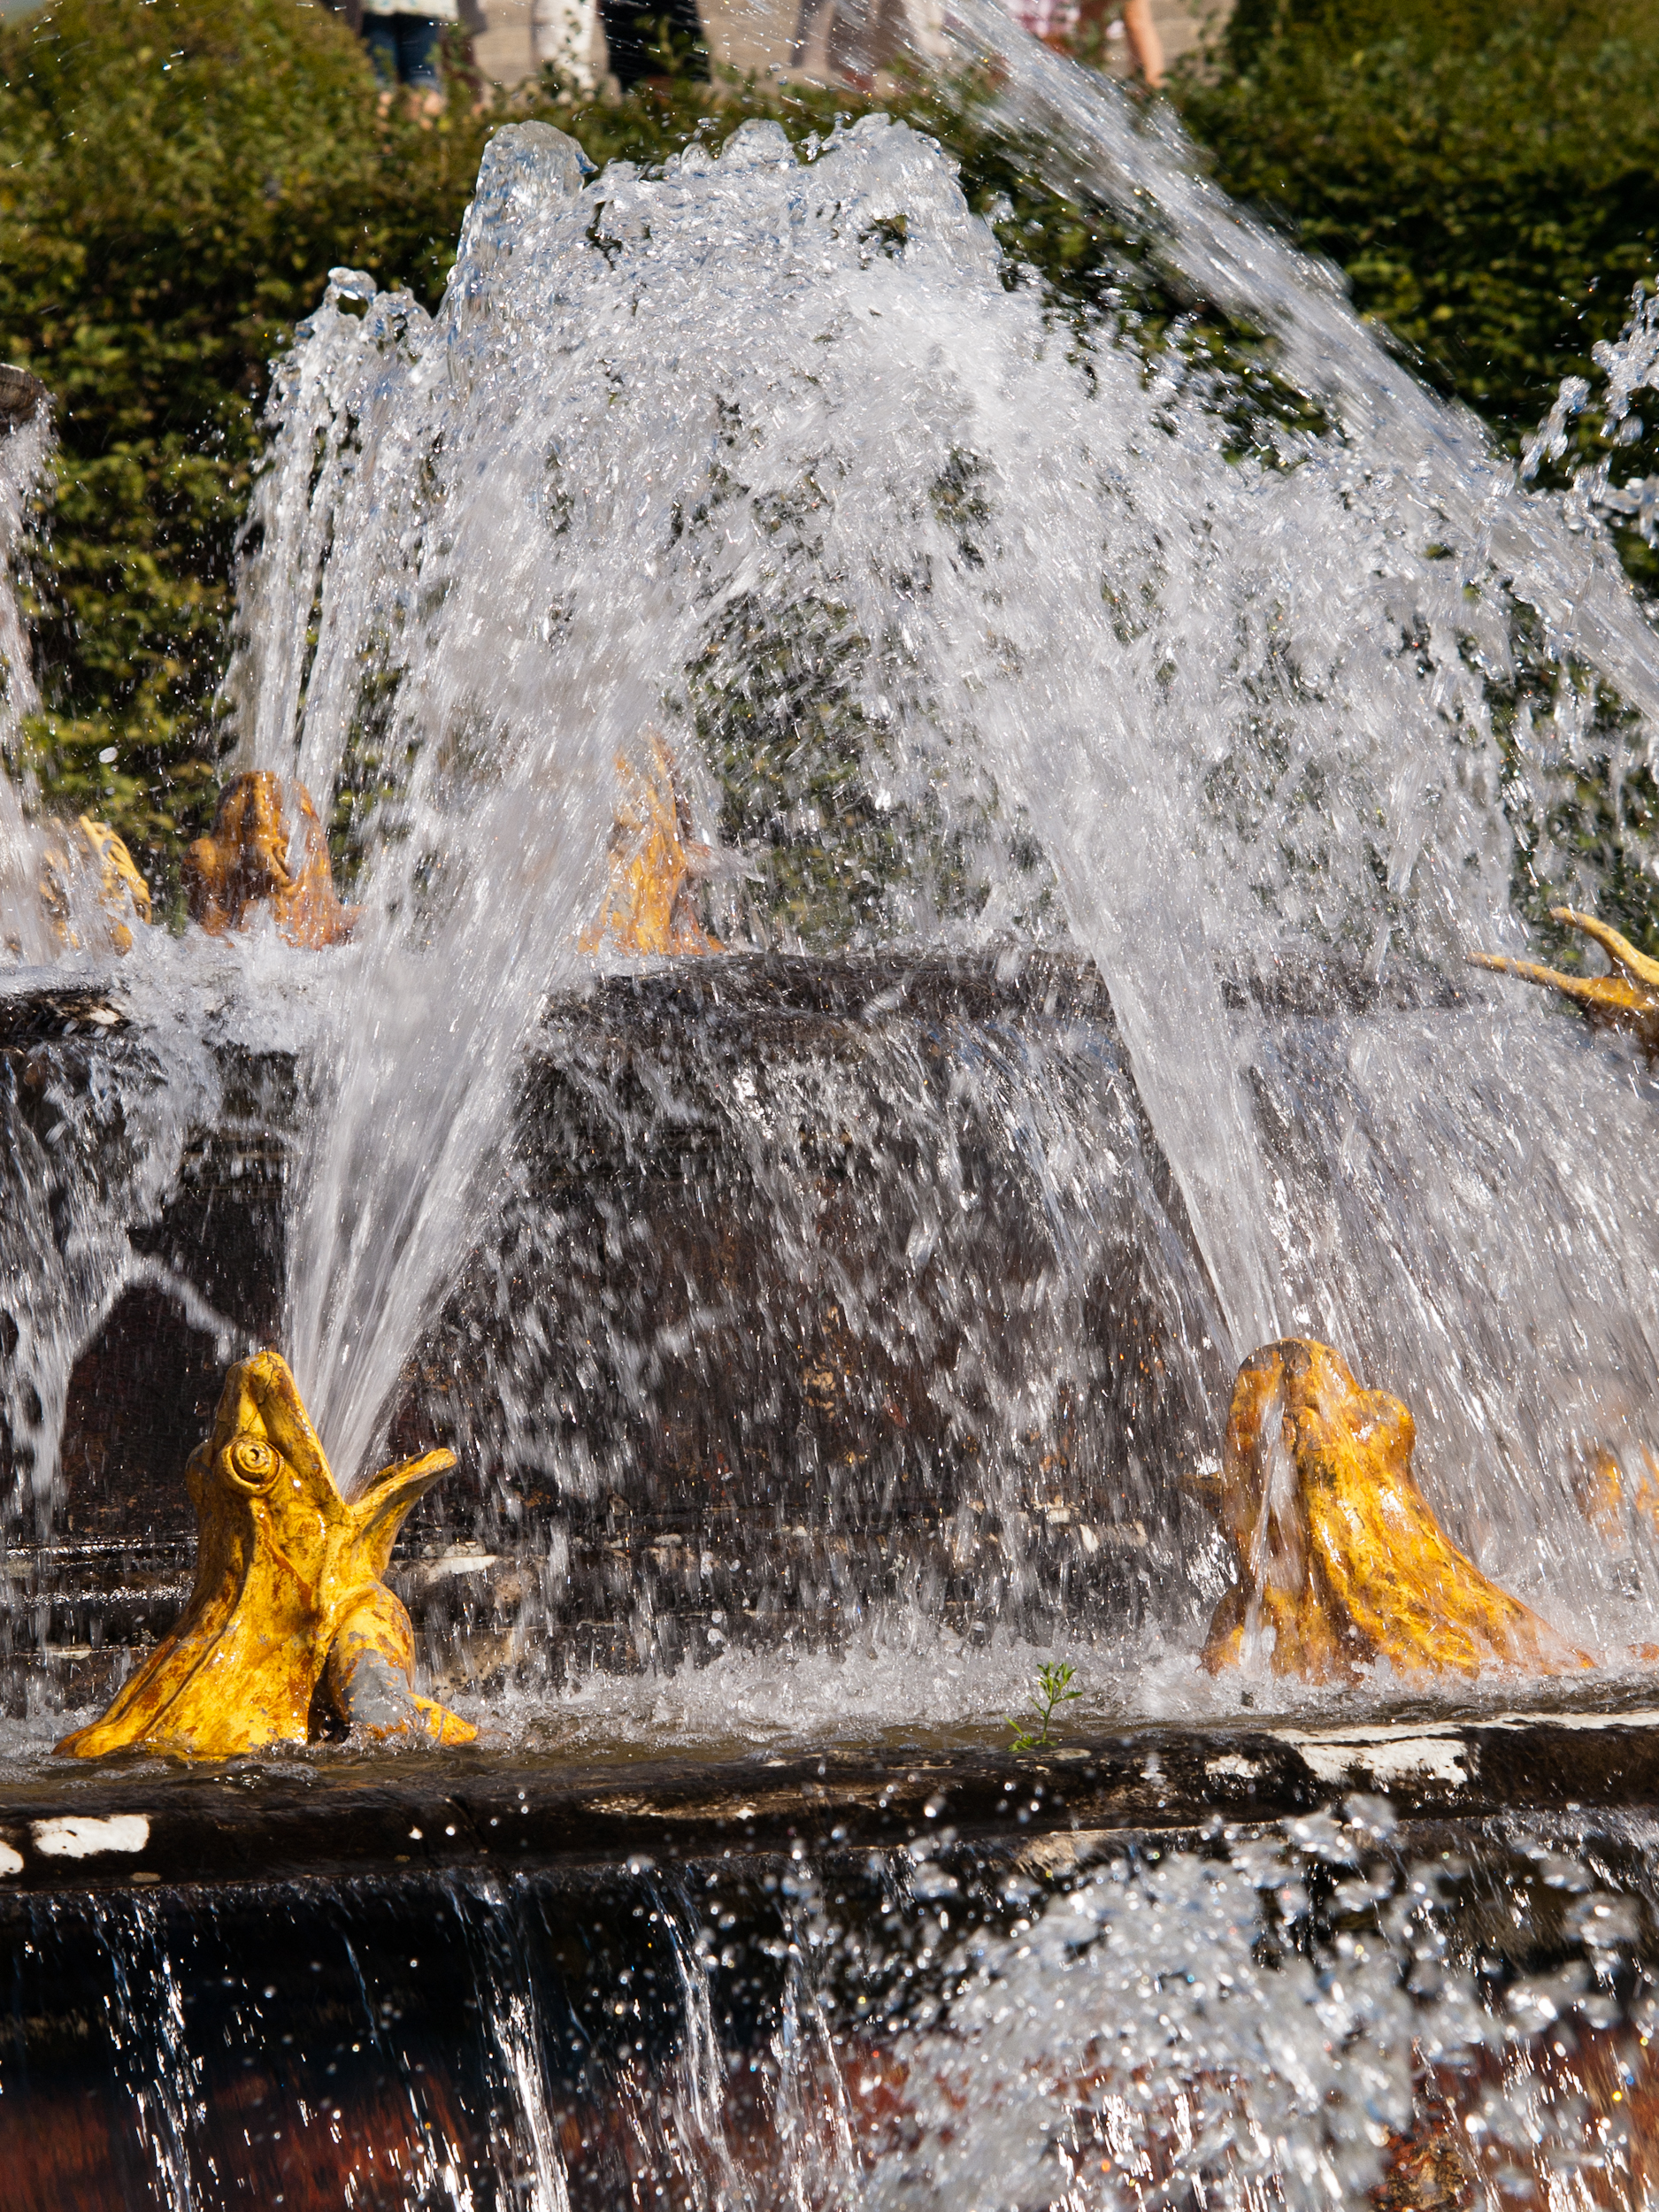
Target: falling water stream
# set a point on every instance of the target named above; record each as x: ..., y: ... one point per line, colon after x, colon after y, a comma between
x: 978, y: 623
x: 1261, y: 2025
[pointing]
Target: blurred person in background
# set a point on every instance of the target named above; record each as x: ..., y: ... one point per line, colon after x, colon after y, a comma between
x: 561, y: 39
x: 865, y: 36
x: 1067, y: 25
x: 402, y: 43
x: 640, y: 35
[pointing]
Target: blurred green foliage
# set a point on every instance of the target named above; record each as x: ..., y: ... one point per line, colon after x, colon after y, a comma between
x: 175, y: 181
x: 1485, y: 172
x: 176, y: 178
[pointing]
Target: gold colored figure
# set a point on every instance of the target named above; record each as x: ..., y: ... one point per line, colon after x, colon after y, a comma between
x: 1627, y: 997
x: 648, y: 903
x: 123, y: 894
x: 242, y: 864
x: 287, y: 1594
x: 1610, y: 1502
x: 1338, y: 1552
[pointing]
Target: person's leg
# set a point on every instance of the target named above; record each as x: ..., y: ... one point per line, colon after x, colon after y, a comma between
x: 379, y: 35
x: 417, y: 37
x: 632, y: 33
x: 1144, y: 43
x: 562, y: 38
x: 685, y: 18
x: 849, y: 49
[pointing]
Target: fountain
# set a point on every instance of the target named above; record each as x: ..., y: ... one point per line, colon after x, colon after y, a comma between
x: 243, y: 866
x: 1340, y: 1563
x: 904, y: 941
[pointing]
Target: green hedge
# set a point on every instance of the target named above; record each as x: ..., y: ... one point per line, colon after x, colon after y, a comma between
x: 176, y: 178
x: 1486, y: 173
x: 1487, y: 176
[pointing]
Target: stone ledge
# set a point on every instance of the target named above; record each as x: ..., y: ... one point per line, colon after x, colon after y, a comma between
x: 331, y: 1815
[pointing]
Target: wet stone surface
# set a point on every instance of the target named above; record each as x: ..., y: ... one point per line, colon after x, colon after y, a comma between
x: 771, y: 1987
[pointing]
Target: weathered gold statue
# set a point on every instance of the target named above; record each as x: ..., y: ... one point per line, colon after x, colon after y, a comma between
x: 655, y: 865
x: 243, y: 864
x: 288, y: 1613
x: 121, y: 898
x: 1338, y: 1552
x: 1626, y: 998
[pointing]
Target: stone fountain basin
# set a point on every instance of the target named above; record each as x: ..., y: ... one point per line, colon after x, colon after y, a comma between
x: 301, y: 1964
x: 736, y: 1357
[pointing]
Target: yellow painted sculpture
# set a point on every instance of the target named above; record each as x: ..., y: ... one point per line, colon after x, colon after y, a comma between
x: 1614, y: 1501
x: 287, y: 1598
x: 243, y: 865
x: 650, y: 901
x: 1626, y: 998
x: 1337, y: 1553
x: 88, y: 853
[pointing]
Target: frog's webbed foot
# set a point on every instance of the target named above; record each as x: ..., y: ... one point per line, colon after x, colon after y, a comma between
x: 369, y: 1678
x: 1626, y: 998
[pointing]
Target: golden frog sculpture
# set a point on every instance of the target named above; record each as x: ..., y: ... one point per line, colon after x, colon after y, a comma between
x: 90, y: 853
x: 1626, y: 998
x: 654, y: 865
x: 288, y: 1600
x: 242, y: 865
x: 1338, y: 1552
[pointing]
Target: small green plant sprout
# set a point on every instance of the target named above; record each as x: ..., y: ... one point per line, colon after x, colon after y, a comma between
x: 1054, y: 1687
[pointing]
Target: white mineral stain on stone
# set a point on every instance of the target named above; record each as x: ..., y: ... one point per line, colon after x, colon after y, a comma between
x: 1391, y: 1756
x: 1230, y: 1763
x: 11, y: 1861
x: 81, y: 1837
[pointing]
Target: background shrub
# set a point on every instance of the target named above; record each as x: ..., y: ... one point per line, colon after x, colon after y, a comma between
x: 1485, y: 173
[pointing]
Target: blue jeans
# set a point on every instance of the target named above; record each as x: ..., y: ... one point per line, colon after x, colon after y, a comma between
x: 404, y: 49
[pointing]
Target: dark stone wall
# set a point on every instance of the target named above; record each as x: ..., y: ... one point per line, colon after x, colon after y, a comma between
x: 806, y: 1288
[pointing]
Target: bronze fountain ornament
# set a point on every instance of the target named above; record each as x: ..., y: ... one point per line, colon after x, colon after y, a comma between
x: 1338, y: 1560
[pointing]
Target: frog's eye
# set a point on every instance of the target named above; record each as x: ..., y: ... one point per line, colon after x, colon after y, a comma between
x: 251, y: 1465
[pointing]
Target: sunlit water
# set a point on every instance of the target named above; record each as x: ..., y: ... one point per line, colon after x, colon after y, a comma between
x: 1269, y: 2021
x: 1230, y: 723
x: 27, y: 934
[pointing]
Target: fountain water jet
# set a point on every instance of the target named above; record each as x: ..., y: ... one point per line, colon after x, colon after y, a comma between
x: 1279, y: 832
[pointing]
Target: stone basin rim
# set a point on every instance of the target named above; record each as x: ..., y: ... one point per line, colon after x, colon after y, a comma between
x: 345, y: 1816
